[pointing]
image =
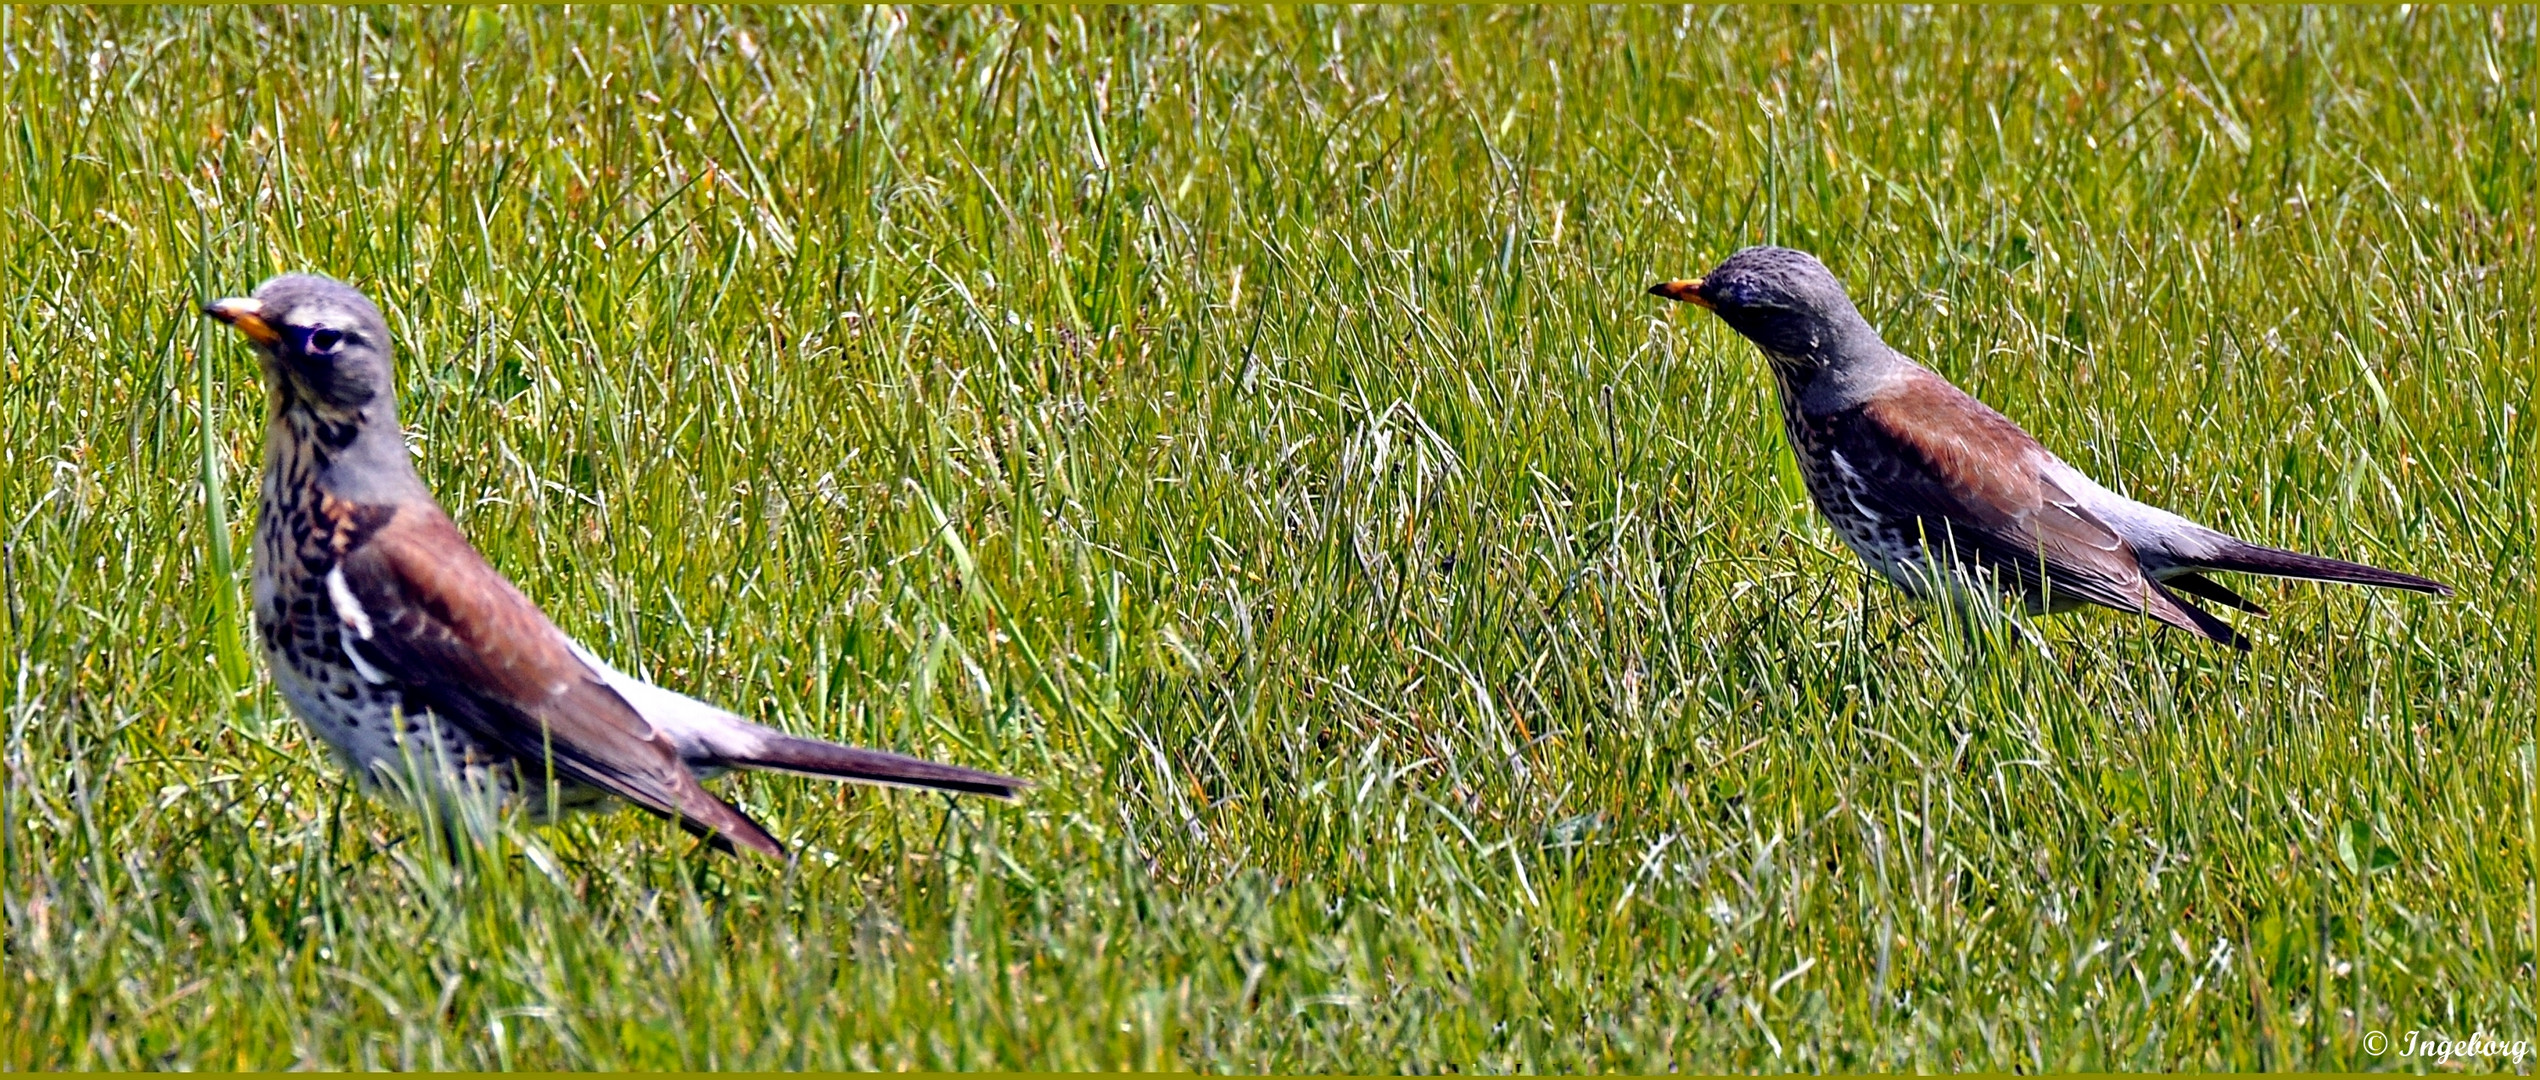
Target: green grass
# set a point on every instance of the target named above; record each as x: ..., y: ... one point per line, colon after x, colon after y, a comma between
x: 1249, y: 426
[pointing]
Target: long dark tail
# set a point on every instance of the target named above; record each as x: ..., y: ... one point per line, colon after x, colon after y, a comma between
x: 812, y: 757
x: 2251, y: 558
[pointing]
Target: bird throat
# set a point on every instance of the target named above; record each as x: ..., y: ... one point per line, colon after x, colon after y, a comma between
x: 358, y: 453
x: 1793, y: 374
x: 301, y: 450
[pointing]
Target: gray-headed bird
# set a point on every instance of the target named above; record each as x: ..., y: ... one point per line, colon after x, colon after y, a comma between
x: 396, y: 642
x: 1931, y: 487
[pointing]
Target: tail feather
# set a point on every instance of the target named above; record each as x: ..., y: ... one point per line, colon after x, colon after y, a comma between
x: 722, y: 825
x: 2251, y: 558
x: 729, y: 829
x: 2205, y: 588
x: 2167, y: 606
x: 812, y: 757
x: 712, y: 738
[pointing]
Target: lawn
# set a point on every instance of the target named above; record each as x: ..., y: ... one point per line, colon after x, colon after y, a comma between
x: 1249, y: 425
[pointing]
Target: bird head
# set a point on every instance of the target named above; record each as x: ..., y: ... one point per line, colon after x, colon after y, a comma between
x: 321, y: 340
x: 1784, y: 301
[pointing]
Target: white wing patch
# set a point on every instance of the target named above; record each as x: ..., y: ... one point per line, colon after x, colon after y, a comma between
x: 346, y: 607
x: 349, y: 611
x: 369, y: 674
x: 1852, y: 489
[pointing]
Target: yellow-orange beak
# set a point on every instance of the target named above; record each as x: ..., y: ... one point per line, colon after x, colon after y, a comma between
x: 247, y: 314
x: 1689, y: 292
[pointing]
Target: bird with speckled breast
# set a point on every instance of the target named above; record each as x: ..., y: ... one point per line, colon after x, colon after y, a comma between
x: 408, y: 654
x: 1935, y: 490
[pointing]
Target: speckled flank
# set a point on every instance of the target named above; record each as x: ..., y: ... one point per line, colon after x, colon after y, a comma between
x: 1890, y: 545
x: 371, y: 726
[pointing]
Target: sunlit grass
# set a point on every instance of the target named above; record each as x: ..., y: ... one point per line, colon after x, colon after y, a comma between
x: 1249, y: 426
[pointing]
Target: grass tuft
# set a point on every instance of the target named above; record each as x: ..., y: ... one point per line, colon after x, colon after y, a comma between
x: 1248, y: 425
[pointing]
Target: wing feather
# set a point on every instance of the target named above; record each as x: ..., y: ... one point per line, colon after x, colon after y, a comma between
x: 450, y: 628
x: 1978, y: 484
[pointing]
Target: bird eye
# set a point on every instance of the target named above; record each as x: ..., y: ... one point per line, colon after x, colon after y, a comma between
x: 324, y: 340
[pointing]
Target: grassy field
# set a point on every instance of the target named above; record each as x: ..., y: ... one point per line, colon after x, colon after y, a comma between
x: 1249, y: 425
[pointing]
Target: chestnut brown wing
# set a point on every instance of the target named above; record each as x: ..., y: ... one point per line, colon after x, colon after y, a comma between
x: 430, y: 613
x: 1977, y: 483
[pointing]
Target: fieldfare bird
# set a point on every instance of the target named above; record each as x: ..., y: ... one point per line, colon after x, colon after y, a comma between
x: 410, y: 655
x: 1932, y: 488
